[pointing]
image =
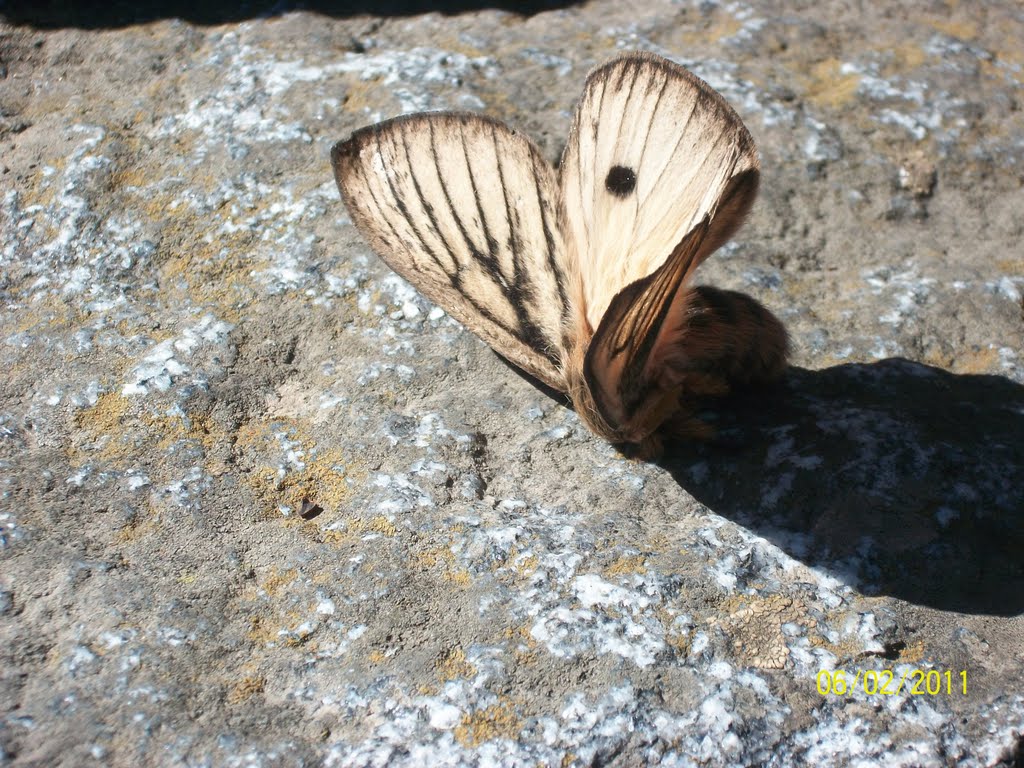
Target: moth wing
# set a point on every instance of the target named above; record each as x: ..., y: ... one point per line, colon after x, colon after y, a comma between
x: 653, y: 151
x: 625, y: 359
x: 464, y: 208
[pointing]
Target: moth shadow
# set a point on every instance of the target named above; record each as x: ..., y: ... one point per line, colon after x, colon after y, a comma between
x: 903, y: 479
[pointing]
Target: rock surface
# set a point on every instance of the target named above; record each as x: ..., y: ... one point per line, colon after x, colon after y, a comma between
x: 264, y: 505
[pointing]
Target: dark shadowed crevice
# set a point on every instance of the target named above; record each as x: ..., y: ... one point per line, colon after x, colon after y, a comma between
x: 52, y: 14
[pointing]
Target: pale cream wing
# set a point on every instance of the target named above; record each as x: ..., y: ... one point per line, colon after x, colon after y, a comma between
x: 464, y: 208
x: 652, y: 151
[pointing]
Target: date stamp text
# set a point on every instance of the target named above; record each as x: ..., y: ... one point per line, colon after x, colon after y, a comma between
x: 887, y: 682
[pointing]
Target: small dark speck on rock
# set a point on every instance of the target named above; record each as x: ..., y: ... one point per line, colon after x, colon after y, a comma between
x: 309, y: 509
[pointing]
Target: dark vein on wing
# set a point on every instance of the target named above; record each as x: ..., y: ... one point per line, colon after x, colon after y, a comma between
x: 492, y: 245
x: 639, y: 352
x: 625, y: 111
x: 513, y: 235
x: 516, y: 249
x: 382, y: 216
x: 670, y: 155
x: 597, y: 146
x: 404, y: 210
x: 470, y: 245
x: 549, y: 241
x: 647, y: 136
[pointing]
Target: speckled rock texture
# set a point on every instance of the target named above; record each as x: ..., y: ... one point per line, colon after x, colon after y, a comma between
x: 262, y: 504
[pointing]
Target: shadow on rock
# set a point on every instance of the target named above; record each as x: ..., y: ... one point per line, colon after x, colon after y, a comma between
x: 905, y: 479
x: 120, y: 13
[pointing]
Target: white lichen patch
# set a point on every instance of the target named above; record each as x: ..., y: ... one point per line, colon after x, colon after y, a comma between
x: 203, y: 345
x: 904, y: 287
x: 185, y: 492
x: 247, y: 109
x: 913, y: 105
x: 61, y: 243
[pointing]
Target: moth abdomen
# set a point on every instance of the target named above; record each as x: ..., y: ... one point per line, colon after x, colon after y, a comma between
x: 732, y: 335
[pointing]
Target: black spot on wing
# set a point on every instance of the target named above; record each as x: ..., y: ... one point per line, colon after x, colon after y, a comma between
x: 620, y: 181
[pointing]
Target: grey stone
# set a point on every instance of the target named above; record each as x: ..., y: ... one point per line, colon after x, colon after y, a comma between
x: 199, y: 349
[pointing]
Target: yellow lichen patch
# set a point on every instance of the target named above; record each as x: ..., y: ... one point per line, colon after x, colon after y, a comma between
x: 106, y: 437
x: 277, y: 579
x: 1008, y: 54
x: 434, y: 557
x: 525, y: 650
x: 377, y: 657
x: 680, y: 644
x: 133, y: 177
x: 520, y: 634
x: 498, y: 721
x: 722, y: 28
x: 733, y: 603
x: 195, y: 426
x: 136, y: 529
x: 847, y: 648
x: 983, y: 360
x: 259, y: 632
x: 826, y: 85
x: 336, y: 538
x: 527, y: 564
x: 353, y: 528
x: 626, y: 565
x: 318, y: 482
x: 365, y: 96
x: 36, y: 192
x: 116, y: 433
x: 718, y: 26
x: 678, y: 641
x: 106, y: 416
x: 901, y: 59
x: 261, y: 436
x: 322, y: 480
x: 458, y: 44
x: 660, y: 543
x: 379, y: 524
x: 756, y: 630
x: 297, y: 632
x: 213, y: 274
x: 452, y: 664
x: 524, y: 566
x: 1013, y: 267
x: 47, y: 313
x: 958, y: 28
x: 913, y: 653
x: 245, y: 689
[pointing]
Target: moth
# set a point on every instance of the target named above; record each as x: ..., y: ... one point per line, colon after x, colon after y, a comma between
x: 581, y: 276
